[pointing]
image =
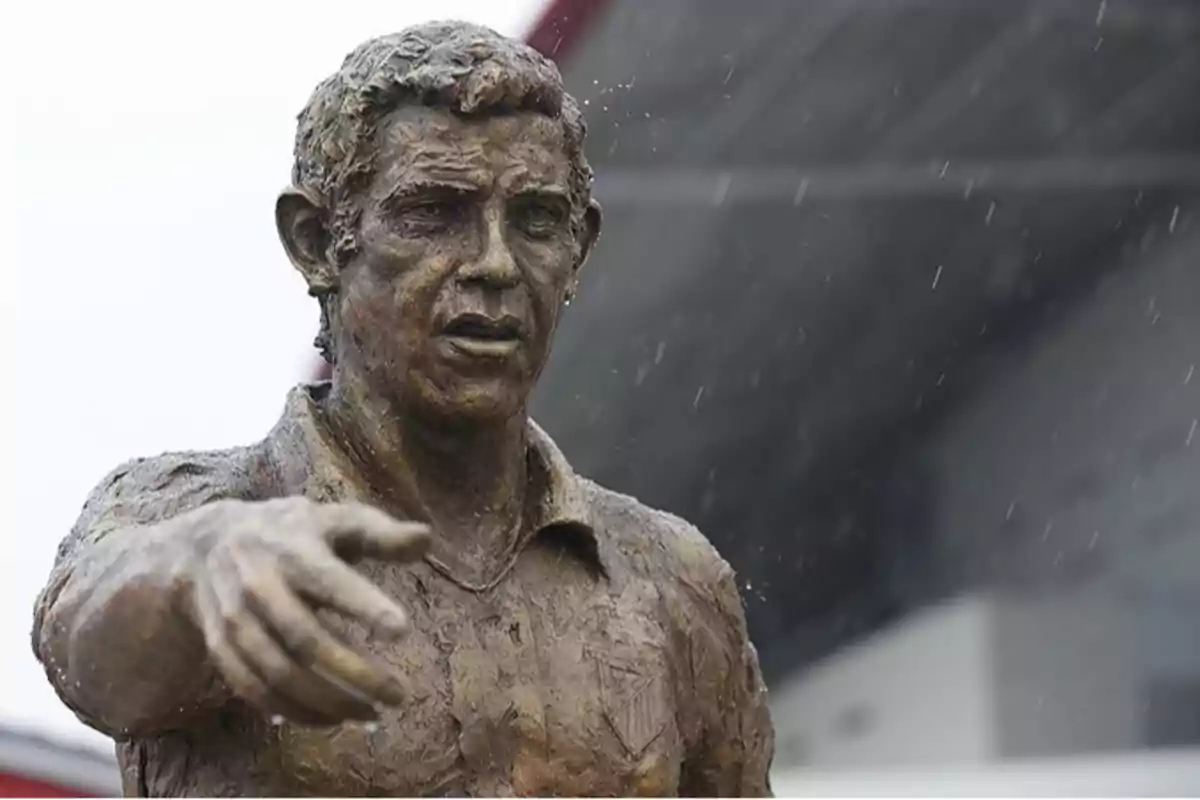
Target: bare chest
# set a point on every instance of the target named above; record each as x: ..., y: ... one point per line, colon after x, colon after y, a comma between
x: 554, y: 683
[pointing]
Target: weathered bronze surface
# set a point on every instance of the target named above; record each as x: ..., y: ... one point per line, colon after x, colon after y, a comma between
x: 259, y: 621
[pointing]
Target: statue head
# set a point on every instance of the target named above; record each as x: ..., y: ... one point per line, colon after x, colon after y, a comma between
x: 440, y: 212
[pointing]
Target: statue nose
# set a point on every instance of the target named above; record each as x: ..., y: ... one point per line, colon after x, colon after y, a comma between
x: 495, y: 267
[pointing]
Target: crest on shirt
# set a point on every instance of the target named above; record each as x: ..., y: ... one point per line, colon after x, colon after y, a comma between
x: 632, y: 693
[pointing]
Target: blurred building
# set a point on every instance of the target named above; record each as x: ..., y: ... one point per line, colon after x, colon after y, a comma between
x: 897, y: 301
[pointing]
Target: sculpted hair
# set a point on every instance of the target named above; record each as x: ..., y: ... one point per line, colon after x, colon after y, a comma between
x: 465, y: 68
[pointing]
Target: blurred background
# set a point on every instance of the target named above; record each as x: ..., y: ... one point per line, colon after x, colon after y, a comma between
x: 898, y: 300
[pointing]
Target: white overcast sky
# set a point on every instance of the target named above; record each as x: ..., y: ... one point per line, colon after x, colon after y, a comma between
x: 148, y: 304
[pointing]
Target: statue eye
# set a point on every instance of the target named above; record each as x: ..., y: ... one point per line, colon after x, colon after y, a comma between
x: 435, y: 210
x: 428, y: 215
x: 539, y: 218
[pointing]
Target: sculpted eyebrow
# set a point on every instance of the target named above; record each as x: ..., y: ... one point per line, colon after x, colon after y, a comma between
x: 551, y: 191
x: 414, y: 189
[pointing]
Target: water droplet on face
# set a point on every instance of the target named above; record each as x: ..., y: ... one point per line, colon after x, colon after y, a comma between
x: 277, y: 719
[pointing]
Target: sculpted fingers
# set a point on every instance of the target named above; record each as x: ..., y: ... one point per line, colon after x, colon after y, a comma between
x: 333, y: 584
x: 356, y: 531
x: 280, y: 652
x: 238, y: 675
x: 312, y: 645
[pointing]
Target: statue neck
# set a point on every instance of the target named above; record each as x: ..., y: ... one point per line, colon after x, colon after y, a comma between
x: 467, y: 479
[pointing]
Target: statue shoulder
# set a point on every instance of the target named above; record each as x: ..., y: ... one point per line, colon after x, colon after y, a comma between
x: 144, y: 491
x: 662, y: 545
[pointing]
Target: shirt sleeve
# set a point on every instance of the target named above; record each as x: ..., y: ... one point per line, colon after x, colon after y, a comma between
x: 142, y: 492
x: 737, y: 740
x: 136, y: 494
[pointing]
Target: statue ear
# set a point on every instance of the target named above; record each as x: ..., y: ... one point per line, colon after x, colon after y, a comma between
x: 301, y: 221
x: 593, y: 219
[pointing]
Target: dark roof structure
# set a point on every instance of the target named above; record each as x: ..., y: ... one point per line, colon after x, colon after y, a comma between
x: 824, y: 221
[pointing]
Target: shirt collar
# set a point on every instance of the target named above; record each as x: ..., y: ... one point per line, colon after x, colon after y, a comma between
x: 561, y: 506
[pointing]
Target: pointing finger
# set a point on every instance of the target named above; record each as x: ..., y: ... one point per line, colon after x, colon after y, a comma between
x: 356, y: 531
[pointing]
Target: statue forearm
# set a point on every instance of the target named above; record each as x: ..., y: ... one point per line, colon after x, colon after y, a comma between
x: 115, y: 641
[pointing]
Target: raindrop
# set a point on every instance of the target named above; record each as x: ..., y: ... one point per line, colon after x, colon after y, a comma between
x: 945, y: 167
x: 1100, y: 11
x: 1188, y: 378
x: 722, y: 189
x: 1096, y: 46
x: 642, y: 372
x: 1174, y: 219
x: 987, y: 220
x: 1094, y: 540
x: 1191, y: 433
x: 696, y: 399
x: 801, y: 191
x: 659, y: 352
x: 937, y: 276
x: 968, y: 189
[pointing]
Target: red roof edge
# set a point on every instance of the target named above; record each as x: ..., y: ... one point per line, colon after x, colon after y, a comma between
x: 555, y: 34
x: 562, y: 25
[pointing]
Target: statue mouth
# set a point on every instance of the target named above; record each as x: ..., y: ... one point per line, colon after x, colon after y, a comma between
x: 480, y: 335
x: 483, y: 327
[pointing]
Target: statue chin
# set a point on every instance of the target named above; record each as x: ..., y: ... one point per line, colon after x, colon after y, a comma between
x: 481, y: 407
x: 470, y: 400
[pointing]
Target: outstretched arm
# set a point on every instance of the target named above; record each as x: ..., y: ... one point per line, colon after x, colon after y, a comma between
x: 107, y: 626
x: 178, y: 582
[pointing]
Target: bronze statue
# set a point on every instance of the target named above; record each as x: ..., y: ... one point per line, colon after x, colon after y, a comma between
x: 261, y: 620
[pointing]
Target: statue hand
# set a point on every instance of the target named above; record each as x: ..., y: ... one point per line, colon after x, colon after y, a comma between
x: 256, y: 574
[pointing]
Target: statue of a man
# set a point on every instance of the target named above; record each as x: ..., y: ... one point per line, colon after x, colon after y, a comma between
x: 404, y: 589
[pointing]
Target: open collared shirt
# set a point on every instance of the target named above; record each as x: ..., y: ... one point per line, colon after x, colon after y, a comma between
x: 612, y: 660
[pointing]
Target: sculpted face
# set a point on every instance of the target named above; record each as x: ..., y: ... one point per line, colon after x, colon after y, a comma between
x: 466, y: 254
